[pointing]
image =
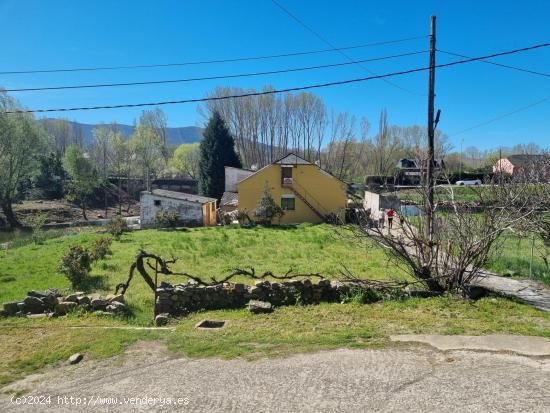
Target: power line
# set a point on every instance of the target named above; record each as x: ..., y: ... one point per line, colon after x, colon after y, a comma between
x: 505, y: 115
x: 498, y: 64
x: 316, y: 34
x: 293, y: 89
x: 207, y: 62
x: 195, y: 79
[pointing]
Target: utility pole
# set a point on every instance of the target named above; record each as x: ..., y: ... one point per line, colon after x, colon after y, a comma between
x: 429, y: 207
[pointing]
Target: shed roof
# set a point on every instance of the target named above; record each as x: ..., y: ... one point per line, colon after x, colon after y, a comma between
x: 230, y: 199
x: 183, y: 196
x: 524, y: 160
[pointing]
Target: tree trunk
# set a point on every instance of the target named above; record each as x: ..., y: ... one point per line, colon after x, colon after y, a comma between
x: 10, y: 215
x: 119, y: 197
x: 83, y: 206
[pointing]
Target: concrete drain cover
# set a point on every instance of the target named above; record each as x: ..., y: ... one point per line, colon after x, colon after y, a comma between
x: 209, y: 325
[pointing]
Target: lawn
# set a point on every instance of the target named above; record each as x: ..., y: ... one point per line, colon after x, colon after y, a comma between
x: 461, y: 194
x: 514, y: 258
x: 28, y: 345
x: 201, y: 251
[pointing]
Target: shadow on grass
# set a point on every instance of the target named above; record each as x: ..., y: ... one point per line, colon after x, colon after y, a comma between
x: 94, y: 282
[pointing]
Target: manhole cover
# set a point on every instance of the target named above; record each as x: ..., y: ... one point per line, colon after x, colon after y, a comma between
x: 209, y: 325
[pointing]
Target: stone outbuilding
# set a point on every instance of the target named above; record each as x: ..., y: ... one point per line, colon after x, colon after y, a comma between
x: 193, y: 210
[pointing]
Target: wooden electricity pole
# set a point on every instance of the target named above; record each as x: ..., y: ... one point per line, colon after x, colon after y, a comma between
x: 430, y: 181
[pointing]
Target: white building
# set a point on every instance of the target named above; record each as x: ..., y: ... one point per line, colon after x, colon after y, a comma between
x: 230, y: 198
x: 193, y: 210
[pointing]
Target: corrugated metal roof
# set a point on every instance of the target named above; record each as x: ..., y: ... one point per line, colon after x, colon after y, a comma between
x: 183, y: 196
x: 230, y: 199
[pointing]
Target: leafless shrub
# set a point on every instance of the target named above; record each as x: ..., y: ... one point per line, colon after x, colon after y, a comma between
x: 450, y: 253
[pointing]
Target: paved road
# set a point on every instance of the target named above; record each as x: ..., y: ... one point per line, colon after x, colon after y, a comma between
x: 409, y: 378
x: 528, y: 291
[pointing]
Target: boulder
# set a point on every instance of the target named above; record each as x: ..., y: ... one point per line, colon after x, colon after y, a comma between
x: 162, y: 319
x: 34, y: 305
x: 116, y: 307
x: 239, y: 288
x: 99, y: 304
x: 64, y: 307
x: 76, y: 358
x: 84, y: 300
x: 41, y: 315
x: 119, y: 298
x: 325, y: 283
x: 72, y: 297
x: 258, y: 307
x: 306, y: 282
x: 11, y: 308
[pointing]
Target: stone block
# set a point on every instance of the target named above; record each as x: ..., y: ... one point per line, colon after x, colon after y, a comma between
x: 64, y: 307
x: 258, y: 307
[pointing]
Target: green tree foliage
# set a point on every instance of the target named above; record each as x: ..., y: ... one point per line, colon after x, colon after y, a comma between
x: 217, y: 150
x: 147, y: 146
x: 267, y: 209
x: 50, y: 176
x: 186, y: 160
x: 21, y: 140
x: 83, y: 177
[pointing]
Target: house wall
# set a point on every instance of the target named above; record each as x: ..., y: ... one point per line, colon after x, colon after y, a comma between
x: 326, y: 193
x: 376, y: 202
x: 505, y: 166
x: 233, y: 176
x: 372, y: 202
x: 190, y: 213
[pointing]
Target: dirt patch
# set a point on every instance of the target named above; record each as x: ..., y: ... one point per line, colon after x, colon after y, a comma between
x: 61, y: 211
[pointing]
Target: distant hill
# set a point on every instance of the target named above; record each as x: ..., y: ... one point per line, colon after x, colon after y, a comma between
x: 176, y: 136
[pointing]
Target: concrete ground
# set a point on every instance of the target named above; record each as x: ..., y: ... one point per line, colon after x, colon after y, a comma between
x: 407, y: 377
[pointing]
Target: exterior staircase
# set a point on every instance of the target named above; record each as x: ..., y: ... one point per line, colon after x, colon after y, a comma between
x: 305, y: 201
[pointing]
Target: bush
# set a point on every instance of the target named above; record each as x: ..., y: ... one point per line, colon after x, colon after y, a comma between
x: 167, y: 219
x: 358, y: 295
x: 267, y: 209
x: 100, y: 248
x: 36, y: 223
x: 76, y: 265
x: 117, y: 226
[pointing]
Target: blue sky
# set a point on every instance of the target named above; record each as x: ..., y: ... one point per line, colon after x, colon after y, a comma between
x: 58, y: 34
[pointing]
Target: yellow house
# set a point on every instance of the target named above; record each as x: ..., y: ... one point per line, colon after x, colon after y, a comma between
x: 303, y: 190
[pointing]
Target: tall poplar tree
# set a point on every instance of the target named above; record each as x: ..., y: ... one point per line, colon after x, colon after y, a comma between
x: 217, y: 150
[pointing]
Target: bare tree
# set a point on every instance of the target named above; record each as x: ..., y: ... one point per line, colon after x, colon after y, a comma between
x: 464, y: 235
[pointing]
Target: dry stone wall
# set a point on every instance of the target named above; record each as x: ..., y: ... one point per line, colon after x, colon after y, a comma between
x: 181, y: 299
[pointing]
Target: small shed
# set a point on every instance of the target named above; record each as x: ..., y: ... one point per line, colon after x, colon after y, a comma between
x: 375, y: 202
x: 193, y: 210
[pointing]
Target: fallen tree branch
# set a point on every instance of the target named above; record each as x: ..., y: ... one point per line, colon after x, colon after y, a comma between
x: 162, y: 266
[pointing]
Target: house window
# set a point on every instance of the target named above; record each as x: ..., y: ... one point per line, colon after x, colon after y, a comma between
x: 157, y: 202
x: 286, y: 175
x: 288, y: 203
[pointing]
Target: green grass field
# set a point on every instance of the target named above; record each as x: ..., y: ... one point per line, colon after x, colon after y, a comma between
x: 514, y: 258
x: 461, y: 194
x: 201, y: 251
x: 28, y: 345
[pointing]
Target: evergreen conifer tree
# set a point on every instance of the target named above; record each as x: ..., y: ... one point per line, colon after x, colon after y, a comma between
x: 217, y: 150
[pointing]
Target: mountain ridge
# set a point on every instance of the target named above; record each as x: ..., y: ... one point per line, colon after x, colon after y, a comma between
x: 175, y: 135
